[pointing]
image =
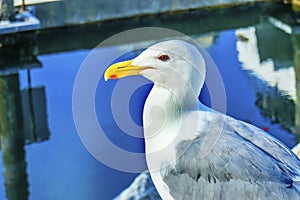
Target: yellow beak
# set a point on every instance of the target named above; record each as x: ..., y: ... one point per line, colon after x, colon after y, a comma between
x: 122, y: 69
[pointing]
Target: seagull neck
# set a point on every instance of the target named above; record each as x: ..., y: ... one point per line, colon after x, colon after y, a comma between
x: 171, y: 103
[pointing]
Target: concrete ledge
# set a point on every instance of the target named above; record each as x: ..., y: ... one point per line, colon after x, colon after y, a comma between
x: 60, y: 13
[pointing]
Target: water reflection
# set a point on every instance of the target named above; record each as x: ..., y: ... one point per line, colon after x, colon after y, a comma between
x: 270, y: 55
x: 22, y: 112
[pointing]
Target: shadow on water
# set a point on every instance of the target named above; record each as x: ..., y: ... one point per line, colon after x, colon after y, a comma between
x: 22, y: 112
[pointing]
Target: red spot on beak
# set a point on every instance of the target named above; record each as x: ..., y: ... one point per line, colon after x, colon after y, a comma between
x: 113, y: 76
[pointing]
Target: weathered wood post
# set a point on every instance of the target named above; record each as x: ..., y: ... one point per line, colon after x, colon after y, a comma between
x: 7, y: 10
x: 296, y: 44
x: 12, y: 139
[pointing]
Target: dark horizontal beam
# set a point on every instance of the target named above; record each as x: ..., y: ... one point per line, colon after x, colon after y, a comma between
x: 188, y: 22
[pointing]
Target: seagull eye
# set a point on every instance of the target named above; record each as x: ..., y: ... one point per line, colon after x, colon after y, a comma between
x: 164, y: 57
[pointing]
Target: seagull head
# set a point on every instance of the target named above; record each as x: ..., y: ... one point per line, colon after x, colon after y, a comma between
x: 170, y: 64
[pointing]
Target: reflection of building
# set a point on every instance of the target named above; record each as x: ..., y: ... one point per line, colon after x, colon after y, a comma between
x: 23, y: 115
x: 268, y: 57
x: 280, y: 52
x: 265, y: 60
x: 270, y: 54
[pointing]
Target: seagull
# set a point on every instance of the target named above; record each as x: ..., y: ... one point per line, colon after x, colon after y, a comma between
x: 195, y: 152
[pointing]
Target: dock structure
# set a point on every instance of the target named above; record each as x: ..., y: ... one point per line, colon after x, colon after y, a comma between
x: 15, y: 17
x: 63, y: 13
x: 28, y: 22
x: 25, y: 21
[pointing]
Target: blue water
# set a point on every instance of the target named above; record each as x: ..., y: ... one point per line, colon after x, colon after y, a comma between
x: 62, y: 169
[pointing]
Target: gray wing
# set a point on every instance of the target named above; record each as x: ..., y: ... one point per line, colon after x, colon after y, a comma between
x: 281, y: 156
x: 245, y: 162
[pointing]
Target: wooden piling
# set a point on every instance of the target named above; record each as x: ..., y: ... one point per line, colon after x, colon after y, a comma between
x: 12, y: 139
